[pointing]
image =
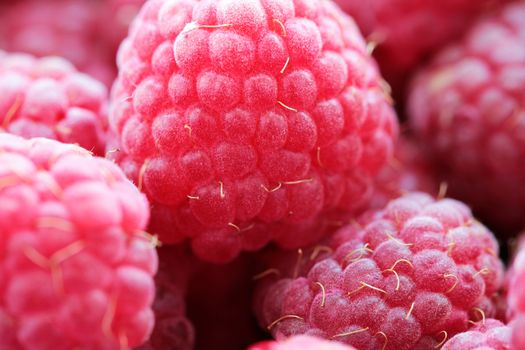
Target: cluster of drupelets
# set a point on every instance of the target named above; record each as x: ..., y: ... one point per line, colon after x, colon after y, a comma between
x: 294, y: 174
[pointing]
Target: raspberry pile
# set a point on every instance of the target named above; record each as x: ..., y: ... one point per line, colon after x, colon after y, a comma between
x: 76, y: 270
x: 258, y: 191
x: 409, y: 276
x: 48, y: 97
x: 244, y: 121
x: 467, y: 108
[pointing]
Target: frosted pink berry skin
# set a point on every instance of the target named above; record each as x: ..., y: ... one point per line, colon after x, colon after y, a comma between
x: 399, y: 279
x: 245, y: 121
x: 467, y: 107
x: 75, y: 269
x: 48, y: 97
x: 487, y: 334
x: 300, y: 342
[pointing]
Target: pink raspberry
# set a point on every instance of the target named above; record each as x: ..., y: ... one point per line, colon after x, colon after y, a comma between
x: 408, y: 171
x: 409, y: 276
x: 66, y: 28
x: 468, y: 109
x: 407, y: 31
x: 172, y: 329
x: 76, y: 271
x: 245, y: 121
x: 47, y: 97
x: 487, y: 335
x: 301, y: 342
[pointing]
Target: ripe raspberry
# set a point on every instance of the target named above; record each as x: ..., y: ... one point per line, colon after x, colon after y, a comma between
x: 408, y: 171
x: 469, y: 108
x: 244, y: 121
x: 409, y: 276
x: 407, y: 31
x: 172, y: 329
x: 47, y: 97
x: 301, y: 342
x: 488, y: 335
x: 75, y: 270
x: 66, y: 28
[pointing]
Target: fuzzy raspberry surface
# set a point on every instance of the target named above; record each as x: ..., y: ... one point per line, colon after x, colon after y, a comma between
x: 486, y: 335
x: 245, y: 121
x: 75, y: 269
x: 406, y: 277
x: 408, y: 171
x: 407, y: 32
x: 173, y: 330
x: 48, y: 97
x: 468, y: 107
x: 301, y: 342
x: 66, y: 28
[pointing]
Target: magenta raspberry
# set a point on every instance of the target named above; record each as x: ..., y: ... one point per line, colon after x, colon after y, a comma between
x: 516, y: 296
x: 76, y: 270
x: 301, y: 342
x: 409, y: 276
x: 48, y: 97
x: 485, y: 335
x: 244, y: 121
x: 468, y: 108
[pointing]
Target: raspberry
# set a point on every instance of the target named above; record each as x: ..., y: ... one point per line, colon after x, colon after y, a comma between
x: 407, y: 31
x: 66, y: 28
x: 302, y: 342
x: 489, y: 335
x: 408, y: 171
x: 246, y: 121
x: 172, y: 329
x: 409, y: 276
x: 47, y: 97
x: 467, y: 107
x: 76, y: 271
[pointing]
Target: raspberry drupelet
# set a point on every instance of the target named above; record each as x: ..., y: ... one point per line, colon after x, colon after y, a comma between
x: 48, y: 97
x: 76, y: 269
x: 468, y: 108
x: 245, y: 121
x: 300, y: 342
x: 485, y: 335
x: 410, y: 276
